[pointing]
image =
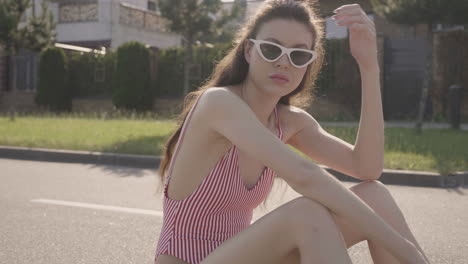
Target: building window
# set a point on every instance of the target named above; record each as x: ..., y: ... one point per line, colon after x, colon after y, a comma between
x: 78, y: 11
x: 446, y: 27
x: 152, y: 5
x: 99, y: 72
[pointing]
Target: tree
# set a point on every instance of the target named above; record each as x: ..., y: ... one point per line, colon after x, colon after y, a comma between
x: 227, y: 24
x: 195, y: 20
x: 430, y: 12
x: 53, y: 91
x: 132, y: 87
x: 35, y: 35
x: 39, y: 33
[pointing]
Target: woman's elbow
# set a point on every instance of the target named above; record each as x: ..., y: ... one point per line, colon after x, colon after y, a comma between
x: 371, y: 175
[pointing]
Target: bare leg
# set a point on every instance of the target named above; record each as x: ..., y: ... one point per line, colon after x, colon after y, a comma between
x: 300, y: 231
x: 324, y: 242
x: 301, y: 225
x: 379, y: 198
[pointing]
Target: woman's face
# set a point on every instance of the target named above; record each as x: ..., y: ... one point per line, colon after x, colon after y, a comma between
x: 289, y: 34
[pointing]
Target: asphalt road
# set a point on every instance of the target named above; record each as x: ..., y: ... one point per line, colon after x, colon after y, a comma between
x: 80, y: 213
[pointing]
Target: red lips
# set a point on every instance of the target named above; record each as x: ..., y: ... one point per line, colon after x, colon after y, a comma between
x: 279, y: 76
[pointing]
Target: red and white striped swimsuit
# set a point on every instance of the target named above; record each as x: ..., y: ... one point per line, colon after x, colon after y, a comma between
x: 220, y: 207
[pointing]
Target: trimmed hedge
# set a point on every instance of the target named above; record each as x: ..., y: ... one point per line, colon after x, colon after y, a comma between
x: 339, y: 73
x: 170, y: 62
x: 452, y: 51
x: 132, y: 78
x: 134, y: 75
x: 91, y: 74
x: 53, y: 91
x: 340, y: 79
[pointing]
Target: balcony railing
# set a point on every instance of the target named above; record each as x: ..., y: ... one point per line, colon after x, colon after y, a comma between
x: 78, y: 11
x: 141, y: 18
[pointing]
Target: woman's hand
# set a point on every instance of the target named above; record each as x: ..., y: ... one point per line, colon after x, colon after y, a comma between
x: 362, y: 39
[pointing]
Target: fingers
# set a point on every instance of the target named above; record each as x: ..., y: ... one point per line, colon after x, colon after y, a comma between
x: 354, y: 14
x: 348, y: 7
x: 356, y: 22
x: 354, y: 18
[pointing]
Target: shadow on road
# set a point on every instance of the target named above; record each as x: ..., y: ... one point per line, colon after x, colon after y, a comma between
x: 459, y: 190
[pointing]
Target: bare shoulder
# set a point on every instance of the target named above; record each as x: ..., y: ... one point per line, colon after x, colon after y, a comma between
x: 218, y: 97
x: 215, y: 101
x: 293, y: 120
x: 210, y: 107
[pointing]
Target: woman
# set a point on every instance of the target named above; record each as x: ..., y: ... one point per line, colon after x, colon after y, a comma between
x: 231, y: 144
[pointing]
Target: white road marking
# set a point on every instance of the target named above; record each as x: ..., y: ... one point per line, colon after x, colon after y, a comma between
x: 100, y: 207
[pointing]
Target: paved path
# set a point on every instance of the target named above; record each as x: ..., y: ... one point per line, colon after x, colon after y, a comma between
x: 81, y: 213
x: 406, y: 124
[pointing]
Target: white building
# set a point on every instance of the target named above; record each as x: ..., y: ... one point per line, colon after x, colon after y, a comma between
x: 109, y: 23
x: 332, y: 30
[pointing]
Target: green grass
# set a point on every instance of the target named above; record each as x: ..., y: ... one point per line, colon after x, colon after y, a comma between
x: 117, y: 136
x: 436, y: 150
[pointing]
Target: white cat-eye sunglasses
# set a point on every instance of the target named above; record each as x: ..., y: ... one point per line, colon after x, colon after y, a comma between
x: 271, y: 52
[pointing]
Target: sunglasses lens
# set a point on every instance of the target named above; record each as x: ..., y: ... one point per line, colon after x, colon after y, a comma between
x: 300, y: 57
x: 269, y: 51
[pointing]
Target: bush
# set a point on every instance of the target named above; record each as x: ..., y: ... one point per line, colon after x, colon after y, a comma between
x: 170, y: 80
x: 340, y: 79
x: 91, y: 74
x: 452, y: 67
x: 53, y: 91
x: 81, y: 73
x: 132, y: 78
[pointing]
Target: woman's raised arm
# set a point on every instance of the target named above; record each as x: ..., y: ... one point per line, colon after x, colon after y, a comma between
x: 227, y: 114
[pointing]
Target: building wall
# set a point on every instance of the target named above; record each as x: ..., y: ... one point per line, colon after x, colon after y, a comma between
x: 142, y: 26
x: 18, y: 101
x: 143, y: 4
x: 89, y: 30
x: 108, y: 30
x: 124, y: 34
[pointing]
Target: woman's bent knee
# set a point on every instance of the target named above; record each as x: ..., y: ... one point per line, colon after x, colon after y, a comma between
x: 315, y: 230
x: 370, y: 188
x: 304, y: 207
x: 305, y: 212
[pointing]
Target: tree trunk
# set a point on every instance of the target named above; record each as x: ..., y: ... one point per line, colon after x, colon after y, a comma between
x: 12, y: 71
x: 188, y: 62
x: 243, y: 5
x: 427, y: 82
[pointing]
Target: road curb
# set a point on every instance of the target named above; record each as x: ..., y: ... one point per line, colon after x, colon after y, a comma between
x: 72, y: 156
x: 397, y: 177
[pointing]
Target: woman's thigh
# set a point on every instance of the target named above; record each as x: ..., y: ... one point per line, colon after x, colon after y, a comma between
x: 265, y: 241
x: 271, y: 238
x: 275, y: 237
x: 351, y: 236
x: 167, y: 259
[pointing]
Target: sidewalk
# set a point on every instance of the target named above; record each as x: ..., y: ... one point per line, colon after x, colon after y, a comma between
x: 404, y: 124
x: 397, y: 177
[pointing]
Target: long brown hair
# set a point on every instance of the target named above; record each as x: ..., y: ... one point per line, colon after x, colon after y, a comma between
x: 233, y: 68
